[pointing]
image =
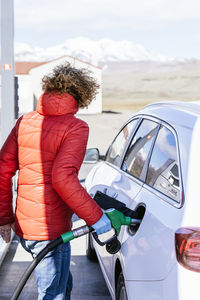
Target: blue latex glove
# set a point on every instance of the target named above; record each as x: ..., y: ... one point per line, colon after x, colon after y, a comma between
x: 103, y: 225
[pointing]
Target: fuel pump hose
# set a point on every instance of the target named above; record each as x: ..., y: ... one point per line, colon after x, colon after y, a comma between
x: 64, y: 238
x: 112, y: 245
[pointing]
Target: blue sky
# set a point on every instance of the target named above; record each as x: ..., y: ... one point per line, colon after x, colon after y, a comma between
x: 170, y: 27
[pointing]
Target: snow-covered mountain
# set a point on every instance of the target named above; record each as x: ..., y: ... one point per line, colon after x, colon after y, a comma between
x: 95, y: 52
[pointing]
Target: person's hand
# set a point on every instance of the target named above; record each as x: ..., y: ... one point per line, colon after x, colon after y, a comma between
x: 5, y: 232
x: 102, y: 225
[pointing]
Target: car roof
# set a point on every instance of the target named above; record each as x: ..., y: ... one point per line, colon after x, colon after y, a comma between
x: 174, y: 112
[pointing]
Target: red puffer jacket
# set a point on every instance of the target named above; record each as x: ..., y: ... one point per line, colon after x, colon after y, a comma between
x: 48, y: 147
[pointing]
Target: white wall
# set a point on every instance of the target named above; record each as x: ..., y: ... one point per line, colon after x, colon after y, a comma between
x: 37, y: 73
x: 25, y: 92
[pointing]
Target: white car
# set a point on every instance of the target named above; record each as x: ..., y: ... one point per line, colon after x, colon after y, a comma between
x: 153, y: 167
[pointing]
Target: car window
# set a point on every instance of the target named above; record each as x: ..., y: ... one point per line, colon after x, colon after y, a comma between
x: 117, y: 147
x: 139, y: 149
x: 163, y: 172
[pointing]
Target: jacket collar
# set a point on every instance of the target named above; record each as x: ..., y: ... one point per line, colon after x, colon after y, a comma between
x: 54, y: 104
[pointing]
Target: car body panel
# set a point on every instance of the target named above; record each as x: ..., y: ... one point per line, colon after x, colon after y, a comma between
x: 148, y: 259
x: 125, y: 191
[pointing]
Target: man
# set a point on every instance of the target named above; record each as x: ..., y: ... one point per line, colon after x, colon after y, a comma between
x: 47, y: 146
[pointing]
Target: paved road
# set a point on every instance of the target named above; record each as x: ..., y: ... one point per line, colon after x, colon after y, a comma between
x: 89, y: 283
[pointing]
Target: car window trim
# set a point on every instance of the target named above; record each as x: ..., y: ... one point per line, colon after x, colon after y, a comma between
x: 179, y: 160
x: 128, y: 140
x: 146, y: 165
x: 160, y: 122
x: 169, y: 127
x: 166, y: 198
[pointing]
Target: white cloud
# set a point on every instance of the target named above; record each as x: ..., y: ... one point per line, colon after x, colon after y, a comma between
x: 196, y: 38
x: 166, y: 26
x: 54, y: 15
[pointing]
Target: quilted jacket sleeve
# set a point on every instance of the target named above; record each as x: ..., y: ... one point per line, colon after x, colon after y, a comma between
x: 8, y: 167
x: 65, y: 175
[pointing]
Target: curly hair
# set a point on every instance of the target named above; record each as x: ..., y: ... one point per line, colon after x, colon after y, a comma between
x: 77, y: 82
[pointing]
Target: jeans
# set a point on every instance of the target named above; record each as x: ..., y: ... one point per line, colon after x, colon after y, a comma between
x: 53, y: 277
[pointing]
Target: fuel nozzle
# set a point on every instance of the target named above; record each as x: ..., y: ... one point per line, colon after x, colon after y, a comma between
x: 118, y: 219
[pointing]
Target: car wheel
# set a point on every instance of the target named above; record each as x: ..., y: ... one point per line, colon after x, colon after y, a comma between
x: 90, y: 252
x: 121, y: 289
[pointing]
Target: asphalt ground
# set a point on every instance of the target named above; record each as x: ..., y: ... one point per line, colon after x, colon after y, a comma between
x: 89, y: 283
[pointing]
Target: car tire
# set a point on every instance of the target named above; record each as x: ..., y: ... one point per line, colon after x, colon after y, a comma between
x: 90, y: 252
x: 121, y: 289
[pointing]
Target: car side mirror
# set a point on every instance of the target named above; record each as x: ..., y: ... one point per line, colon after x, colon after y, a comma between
x: 92, y: 156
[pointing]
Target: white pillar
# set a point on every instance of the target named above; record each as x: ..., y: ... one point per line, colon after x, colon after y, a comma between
x: 7, y: 114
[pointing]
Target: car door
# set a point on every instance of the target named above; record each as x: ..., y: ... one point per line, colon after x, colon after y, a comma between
x: 149, y: 254
x: 106, y: 177
x: 114, y: 179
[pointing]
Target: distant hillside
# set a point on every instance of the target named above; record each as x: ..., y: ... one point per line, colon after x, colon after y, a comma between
x: 131, y: 85
x: 132, y: 74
